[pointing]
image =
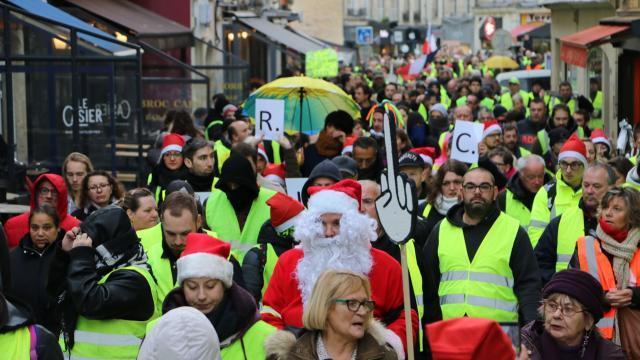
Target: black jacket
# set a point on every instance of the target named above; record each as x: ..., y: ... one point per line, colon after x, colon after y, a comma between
x: 522, y: 262
x: 5, y: 272
x: 546, y: 250
x: 14, y: 315
x: 255, y: 259
x: 29, y: 270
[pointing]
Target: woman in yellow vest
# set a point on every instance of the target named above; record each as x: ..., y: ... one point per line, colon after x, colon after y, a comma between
x: 108, y: 294
x: 205, y: 280
x: 612, y: 256
x: 571, y: 306
x: 20, y: 338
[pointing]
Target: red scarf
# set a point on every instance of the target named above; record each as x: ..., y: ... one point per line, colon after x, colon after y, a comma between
x: 618, y: 235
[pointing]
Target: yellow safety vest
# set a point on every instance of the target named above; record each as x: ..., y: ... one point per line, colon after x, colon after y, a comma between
x: 507, y: 101
x: 222, y: 154
x: 570, y: 228
x: 545, y: 209
x: 212, y: 124
x: 16, y: 344
x: 482, y: 288
x: 516, y: 209
x: 416, y: 282
x: 555, y: 101
x: 150, y: 237
x: 269, y: 266
x: 222, y: 219
x: 543, y: 139
x: 426, y: 211
x: 161, y: 268
x: 113, y: 338
x: 596, y: 122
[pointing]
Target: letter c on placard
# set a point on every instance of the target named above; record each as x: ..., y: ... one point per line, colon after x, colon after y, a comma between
x: 458, y: 142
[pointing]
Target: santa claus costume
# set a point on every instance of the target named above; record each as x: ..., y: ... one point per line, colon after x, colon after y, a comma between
x: 298, y: 269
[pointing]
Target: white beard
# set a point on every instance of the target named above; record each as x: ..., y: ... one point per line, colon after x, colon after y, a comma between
x: 350, y: 250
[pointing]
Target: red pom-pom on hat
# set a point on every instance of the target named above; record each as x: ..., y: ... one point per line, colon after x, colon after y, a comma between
x: 205, y: 256
x: 284, y: 211
x: 343, y: 196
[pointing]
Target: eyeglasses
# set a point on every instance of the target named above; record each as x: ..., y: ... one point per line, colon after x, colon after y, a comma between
x: 100, y: 187
x: 574, y: 165
x: 484, y: 187
x: 567, y: 310
x: 354, y: 305
x: 173, y: 155
x: 44, y: 191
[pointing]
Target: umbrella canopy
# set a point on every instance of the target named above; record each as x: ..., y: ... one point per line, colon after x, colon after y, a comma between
x: 307, y: 102
x: 501, y: 62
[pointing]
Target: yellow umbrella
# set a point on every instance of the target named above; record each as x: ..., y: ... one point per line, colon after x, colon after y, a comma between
x: 501, y: 62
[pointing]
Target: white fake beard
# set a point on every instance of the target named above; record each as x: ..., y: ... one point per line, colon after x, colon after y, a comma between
x: 350, y: 250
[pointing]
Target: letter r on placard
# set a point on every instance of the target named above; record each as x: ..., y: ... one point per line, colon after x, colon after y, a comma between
x: 265, y: 117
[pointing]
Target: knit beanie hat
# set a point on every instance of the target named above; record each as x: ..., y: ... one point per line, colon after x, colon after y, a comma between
x: 491, y: 127
x: 339, y: 198
x: 469, y: 338
x: 327, y: 169
x: 439, y: 108
x: 574, y: 148
x: 580, y: 286
x: 171, y: 142
x: 205, y: 256
x: 285, y: 211
x: 598, y: 137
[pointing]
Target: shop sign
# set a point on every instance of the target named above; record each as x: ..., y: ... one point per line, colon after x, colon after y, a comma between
x: 534, y: 18
x: 95, y: 114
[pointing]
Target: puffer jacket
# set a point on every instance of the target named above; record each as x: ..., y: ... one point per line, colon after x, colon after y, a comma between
x: 283, y: 345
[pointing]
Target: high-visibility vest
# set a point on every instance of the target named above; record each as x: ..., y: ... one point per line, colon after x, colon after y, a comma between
x: 461, y: 101
x: 546, y: 97
x: 16, y: 344
x: 516, y: 209
x: 161, y: 268
x: 222, y: 154
x: 556, y: 100
x: 416, y: 282
x: 523, y: 151
x: 543, y: 139
x: 212, y: 124
x: 422, y: 110
x: 489, y: 103
x: 545, y: 208
x: 426, y: 211
x: 275, y: 158
x: 570, y: 228
x: 150, y: 237
x: 112, y: 338
x: 444, y: 97
x: 269, y: 265
x: 596, y: 121
x: 507, y: 101
x: 631, y: 185
x: 482, y: 288
x: 158, y: 188
x: 222, y: 219
x: 596, y: 263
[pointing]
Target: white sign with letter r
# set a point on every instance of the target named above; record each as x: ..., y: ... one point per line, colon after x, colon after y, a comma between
x: 269, y: 118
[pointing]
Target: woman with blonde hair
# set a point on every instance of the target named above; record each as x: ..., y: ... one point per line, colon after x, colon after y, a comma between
x: 339, y: 321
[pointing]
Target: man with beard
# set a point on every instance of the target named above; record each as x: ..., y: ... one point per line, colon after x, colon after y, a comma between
x: 478, y: 261
x: 337, y: 126
x: 237, y: 212
x: 334, y: 235
x: 565, y: 96
x: 200, y: 161
x: 366, y: 153
x: 510, y: 140
x: 528, y: 128
x: 517, y: 199
x: 557, y: 244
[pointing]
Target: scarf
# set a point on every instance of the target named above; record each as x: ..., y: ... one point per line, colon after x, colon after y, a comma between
x: 443, y: 204
x: 622, y: 251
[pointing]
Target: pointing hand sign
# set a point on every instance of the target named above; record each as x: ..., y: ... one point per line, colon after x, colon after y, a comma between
x: 397, y: 204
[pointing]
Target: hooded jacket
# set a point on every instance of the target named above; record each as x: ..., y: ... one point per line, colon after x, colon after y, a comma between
x: 14, y: 316
x: 18, y: 226
x: 522, y: 262
x: 327, y: 169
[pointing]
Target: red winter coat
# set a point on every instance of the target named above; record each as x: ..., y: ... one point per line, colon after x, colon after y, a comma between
x: 283, y: 296
x: 18, y: 226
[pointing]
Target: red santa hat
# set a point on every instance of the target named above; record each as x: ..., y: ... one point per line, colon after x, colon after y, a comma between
x: 275, y: 172
x: 598, y: 137
x: 483, y: 340
x: 339, y: 198
x: 171, y: 142
x: 262, y: 152
x: 347, y: 148
x: 285, y: 211
x: 574, y: 148
x: 428, y: 154
x: 205, y: 256
x: 228, y: 110
x: 491, y: 127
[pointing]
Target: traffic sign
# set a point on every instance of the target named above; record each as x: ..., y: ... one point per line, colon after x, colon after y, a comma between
x: 364, y: 35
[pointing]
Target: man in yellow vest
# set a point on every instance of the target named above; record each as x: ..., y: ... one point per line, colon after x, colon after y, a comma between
x: 565, y: 192
x: 110, y: 294
x: 478, y: 261
x: 565, y: 96
x: 275, y: 237
x: 517, y: 199
x: 595, y: 95
x: 199, y: 159
x: 237, y: 212
x: 506, y: 99
x: 557, y: 244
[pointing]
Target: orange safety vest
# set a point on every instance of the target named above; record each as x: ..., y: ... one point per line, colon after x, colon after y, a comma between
x: 596, y: 263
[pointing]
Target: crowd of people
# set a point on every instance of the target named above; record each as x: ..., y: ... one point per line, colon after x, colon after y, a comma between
x: 212, y: 258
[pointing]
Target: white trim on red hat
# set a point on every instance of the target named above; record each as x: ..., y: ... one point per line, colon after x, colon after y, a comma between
x: 332, y: 201
x: 574, y: 154
x: 492, y: 129
x: 347, y: 149
x: 172, y: 147
x: 601, y: 140
x: 205, y: 265
x: 289, y: 223
x: 263, y: 154
x: 426, y: 159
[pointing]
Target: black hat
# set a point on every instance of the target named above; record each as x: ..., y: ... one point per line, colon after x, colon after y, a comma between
x: 341, y: 120
x: 559, y: 134
x: 110, y: 226
x: 410, y: 159
x: 346, y: 165
x: 179, y: 185
x: 327, y: 169
x: 237, y: 169
x: 580, y: 286
x: 499, y: 110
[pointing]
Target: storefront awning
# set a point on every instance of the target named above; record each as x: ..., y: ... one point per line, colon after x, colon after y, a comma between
x: 281, y: 35
x: 51, y: 12
x: 146, y: 25
x: 575, y: 47
x: 525, y: 28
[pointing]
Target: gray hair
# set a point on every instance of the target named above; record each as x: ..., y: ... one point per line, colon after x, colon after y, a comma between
x: 611, y: 174
x: 364, y: 183
x: 525, y: 160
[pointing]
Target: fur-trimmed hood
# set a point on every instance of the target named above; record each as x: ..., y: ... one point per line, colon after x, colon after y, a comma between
x: 283, y: 345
